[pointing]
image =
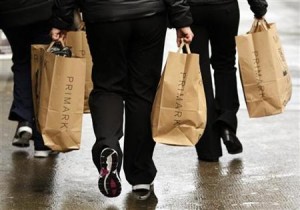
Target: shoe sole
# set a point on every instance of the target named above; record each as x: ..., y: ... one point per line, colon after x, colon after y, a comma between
x: 142, y: 192
x: 44, y: 153
x: 41, y: 154
x: 109, y: 184
x: 23, y: 140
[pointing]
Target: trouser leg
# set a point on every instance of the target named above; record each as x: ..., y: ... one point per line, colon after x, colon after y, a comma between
x: 20, y: 40
x: 223, y: 61
x: 209, y: 145
x: 109, y: 85
x: 145, y: 64
x: 127, y: 59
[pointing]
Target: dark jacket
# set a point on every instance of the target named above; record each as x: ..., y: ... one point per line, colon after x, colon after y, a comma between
x: 117, y: 10
x: 258, y: 7
x: 23, y: 12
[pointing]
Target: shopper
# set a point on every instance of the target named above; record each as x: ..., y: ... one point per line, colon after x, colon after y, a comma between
x: 215, y: 26
x: 126, y: 40
x: 25, y: 23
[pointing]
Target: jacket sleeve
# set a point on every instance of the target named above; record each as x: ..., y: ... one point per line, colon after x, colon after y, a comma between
x: 179, y: 14
x: 63, y: 14
x: 258, y: 7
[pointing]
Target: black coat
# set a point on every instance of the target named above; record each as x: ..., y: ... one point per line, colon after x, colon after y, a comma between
x: 23, y: 12
x: 258, y: 7
x: 116, y: 10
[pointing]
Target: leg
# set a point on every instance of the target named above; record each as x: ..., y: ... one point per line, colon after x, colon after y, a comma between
x: 223, y: 32
x: 223, y: 61
x: 22, y: 106
x: 145, y: 64
x: 209, y: 146
x: 108, y: 45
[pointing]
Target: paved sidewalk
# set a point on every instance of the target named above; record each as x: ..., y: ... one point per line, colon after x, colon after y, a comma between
x: 265, y: 176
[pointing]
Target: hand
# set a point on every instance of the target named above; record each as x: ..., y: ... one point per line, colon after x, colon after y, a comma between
x: 259, y: 17
x: 184, y: 33
x: 57, y: 34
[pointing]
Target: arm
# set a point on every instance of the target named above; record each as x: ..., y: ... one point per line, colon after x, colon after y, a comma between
x: 63, y: 18
x: 180, y: 18
x: 185, y: 33
x: 258, y: 7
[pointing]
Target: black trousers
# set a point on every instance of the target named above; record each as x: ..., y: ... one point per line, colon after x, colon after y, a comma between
x: 21, y: 39
x: 127, y: 60
x: 215, y: 28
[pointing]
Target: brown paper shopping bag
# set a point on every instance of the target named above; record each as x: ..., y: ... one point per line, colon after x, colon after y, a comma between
x: 264, y: 72
x: 179, y: 110
x: 79, y: 45
x: 37, y: 59
x: 58, y: 87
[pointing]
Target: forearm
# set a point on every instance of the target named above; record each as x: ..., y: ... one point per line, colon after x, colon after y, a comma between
x: 63, y: 14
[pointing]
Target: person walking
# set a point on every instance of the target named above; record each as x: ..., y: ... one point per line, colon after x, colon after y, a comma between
x: 126, y: 40
x: 25, y: 23
x: 215, y: 25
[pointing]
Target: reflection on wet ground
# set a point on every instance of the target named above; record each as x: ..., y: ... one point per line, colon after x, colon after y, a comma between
x: 265, y: 176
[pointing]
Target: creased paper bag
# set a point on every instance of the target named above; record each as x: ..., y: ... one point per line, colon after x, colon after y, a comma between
x: 58, y: 92
x: 265, y: 76
x: 179, y: 109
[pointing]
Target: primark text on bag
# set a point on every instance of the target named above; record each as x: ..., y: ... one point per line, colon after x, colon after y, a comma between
x: 179, y: 109
x: 78, y: 42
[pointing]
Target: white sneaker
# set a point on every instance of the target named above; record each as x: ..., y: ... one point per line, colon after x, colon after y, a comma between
x: 22, y: 135
x: 44, y: 153
x: 142, y: 191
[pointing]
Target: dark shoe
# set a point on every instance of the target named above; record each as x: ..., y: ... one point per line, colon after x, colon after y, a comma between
x: 22, y: 135
x: 109, y: 182
x: 231, y: 141
x: 142, y: 191
x: 208, y: 159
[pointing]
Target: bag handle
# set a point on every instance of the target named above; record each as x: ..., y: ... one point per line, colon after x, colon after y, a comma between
x: 78, y: 23
x: 259, y: 25
x: 187, y: 46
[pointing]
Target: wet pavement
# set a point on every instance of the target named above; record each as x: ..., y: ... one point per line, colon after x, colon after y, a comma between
x: 266, y: 176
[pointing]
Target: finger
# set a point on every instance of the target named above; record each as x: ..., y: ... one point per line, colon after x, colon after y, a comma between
x: 178, y: 42
x: 190, y: 37
x: 188, y: 40
x: 55, y: 36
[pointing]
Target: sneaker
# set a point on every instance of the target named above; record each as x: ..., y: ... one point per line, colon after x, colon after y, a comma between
x: 22, y: 135
x: 142, y: 191
x: 44, y: 153
x: 109, y: 182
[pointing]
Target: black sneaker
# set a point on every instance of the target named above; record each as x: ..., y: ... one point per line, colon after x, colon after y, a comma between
x: 22, y: 135
x: 109, y: 182
x: 142, y: 191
